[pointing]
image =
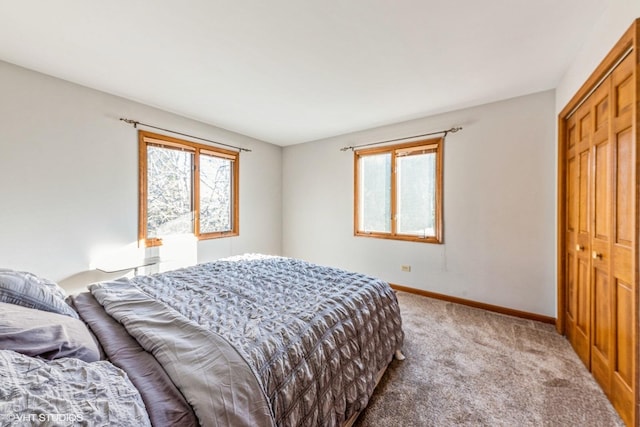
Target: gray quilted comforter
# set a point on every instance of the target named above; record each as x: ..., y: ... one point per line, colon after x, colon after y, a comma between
x: 307, y: 341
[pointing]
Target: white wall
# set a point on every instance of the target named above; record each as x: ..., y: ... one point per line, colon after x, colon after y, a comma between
x: 619, y: 15
x: 69, y: 174
x: 499, y: 207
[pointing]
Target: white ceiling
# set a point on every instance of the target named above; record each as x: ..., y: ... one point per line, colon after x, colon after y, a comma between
x: 292, y: 71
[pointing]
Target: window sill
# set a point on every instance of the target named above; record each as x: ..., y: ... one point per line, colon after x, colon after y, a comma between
x: 208, y: 236
x: 406, y: 238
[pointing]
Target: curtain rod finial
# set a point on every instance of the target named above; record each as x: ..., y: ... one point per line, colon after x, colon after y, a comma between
x: 129, y: 121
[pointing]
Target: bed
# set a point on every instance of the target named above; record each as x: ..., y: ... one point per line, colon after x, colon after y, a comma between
x: 245, y: 341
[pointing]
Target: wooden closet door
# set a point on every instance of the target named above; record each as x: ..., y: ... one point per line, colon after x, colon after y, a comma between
x: 571, y: 230
x: 600, y: 224
x: 578, y: 233
x: 624, y: 247
x: 601, y: 238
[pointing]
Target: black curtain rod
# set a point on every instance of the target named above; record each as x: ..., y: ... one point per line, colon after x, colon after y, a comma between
x: 136, y: 124
x: 445, y: 132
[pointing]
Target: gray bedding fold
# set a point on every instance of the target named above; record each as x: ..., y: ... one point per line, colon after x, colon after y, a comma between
x: 164, y: 402
x: 212, y: 376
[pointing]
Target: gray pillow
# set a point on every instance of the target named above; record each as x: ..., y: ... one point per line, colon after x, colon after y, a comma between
x: 29, y: 290
x: 44, y: 334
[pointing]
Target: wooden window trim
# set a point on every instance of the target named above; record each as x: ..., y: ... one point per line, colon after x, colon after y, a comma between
x: 145, y: 139
x: 406, y: 149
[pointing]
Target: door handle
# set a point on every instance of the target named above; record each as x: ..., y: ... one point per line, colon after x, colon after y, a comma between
x: 579, y: 248
x: 596, y: 255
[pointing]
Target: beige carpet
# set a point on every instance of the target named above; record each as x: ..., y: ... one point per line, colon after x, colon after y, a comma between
x: 471, y: 367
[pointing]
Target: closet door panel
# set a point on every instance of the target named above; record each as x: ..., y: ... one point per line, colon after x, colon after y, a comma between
x: 572, y: 185
x: 582, y: 332
x: 601, y: 339
x: 602, y: 316
x: 579, y: 222
x: 602, y: 165
x: 572, y: 197
x: 624, y: 348
x: 601, y: 238
x: 622, y: 395
x: 624, y: 91
x: 624, y: 189
x: 572, y: 294
x: 625, y: 244
x: 581, y: 341
x: 584, y: 300
x: 602, y: 194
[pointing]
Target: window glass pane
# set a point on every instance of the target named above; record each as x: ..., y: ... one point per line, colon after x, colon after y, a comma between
x: 375, y: 193
x: 169, y: 191
x: 215, y: 194
x: 417, y: 194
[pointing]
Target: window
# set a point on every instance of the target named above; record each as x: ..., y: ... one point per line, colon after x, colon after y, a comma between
x: 186, y: 188
x: 398, y: 191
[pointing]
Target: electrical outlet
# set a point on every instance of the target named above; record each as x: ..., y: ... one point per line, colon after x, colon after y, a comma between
x: 406, y: 268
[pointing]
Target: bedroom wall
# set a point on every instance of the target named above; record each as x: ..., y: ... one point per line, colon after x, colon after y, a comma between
x: 69, y: 173
x: 499, y: 207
